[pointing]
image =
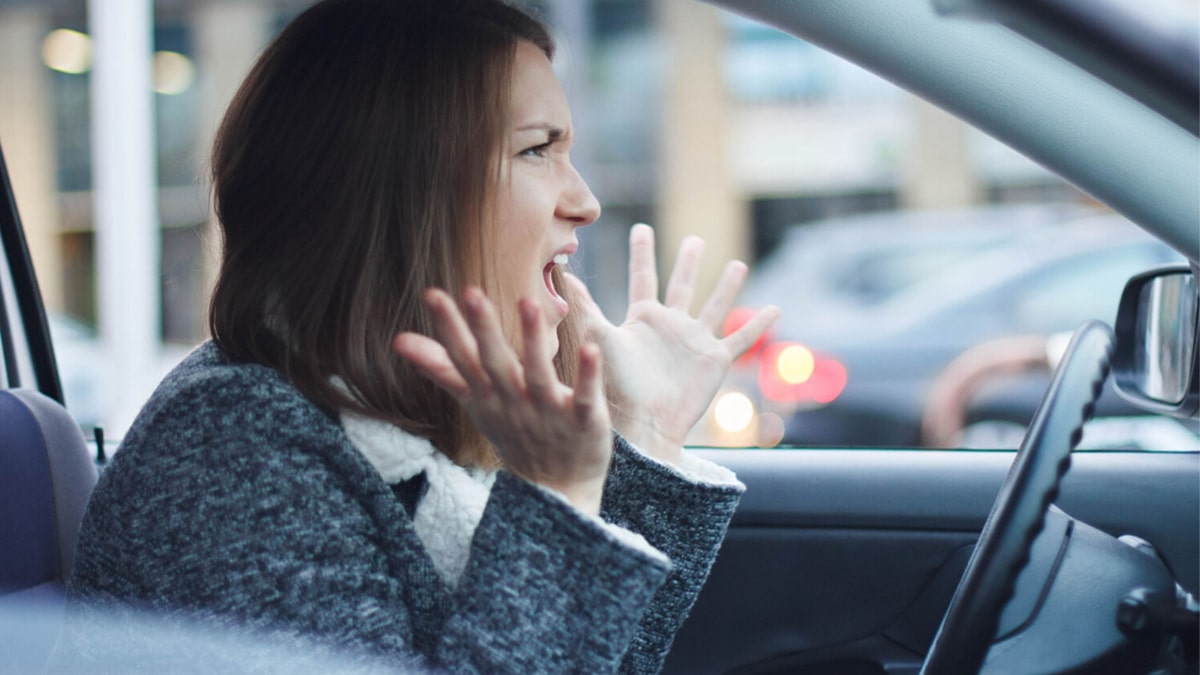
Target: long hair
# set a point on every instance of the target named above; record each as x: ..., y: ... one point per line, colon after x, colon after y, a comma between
x: 353, y: 170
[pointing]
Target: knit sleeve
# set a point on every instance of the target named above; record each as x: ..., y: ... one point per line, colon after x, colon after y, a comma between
x: 683, y: 512
x: 235, y: 503
x: 547, y: 589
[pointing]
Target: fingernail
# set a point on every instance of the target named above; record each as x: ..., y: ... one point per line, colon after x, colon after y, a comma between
x: 473, y: 298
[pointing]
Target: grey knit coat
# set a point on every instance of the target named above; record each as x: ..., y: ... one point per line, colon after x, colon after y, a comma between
x: 236, y: 500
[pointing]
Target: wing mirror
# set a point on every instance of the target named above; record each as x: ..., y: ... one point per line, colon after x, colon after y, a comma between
x: 1156, y: 361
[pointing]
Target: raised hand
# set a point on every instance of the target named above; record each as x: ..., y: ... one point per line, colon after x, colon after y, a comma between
x: 543, y: 430
x: 664, y: 366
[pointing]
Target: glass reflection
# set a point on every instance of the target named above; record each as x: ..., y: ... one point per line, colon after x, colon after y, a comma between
x: 1167, y: 320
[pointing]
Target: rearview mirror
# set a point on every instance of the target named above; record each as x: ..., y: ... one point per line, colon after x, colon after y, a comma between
x: 1155, y: 365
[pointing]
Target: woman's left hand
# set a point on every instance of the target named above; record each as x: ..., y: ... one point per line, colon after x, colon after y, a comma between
x: 663, y: 365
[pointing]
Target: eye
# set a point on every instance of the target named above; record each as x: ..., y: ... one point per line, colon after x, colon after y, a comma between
x: 537, y: 150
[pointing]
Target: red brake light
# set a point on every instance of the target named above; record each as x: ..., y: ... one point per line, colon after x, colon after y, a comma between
x: 828, y: 381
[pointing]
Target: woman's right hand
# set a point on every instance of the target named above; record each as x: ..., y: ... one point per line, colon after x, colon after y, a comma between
x: 543, y: 430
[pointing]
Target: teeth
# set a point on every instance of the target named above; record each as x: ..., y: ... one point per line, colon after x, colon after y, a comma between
x: 560, y: 259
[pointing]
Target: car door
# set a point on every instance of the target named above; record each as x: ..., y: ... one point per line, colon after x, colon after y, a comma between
x: 843, y: 560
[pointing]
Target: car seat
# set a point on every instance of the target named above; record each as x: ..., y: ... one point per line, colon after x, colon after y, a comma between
x: 46, y: 477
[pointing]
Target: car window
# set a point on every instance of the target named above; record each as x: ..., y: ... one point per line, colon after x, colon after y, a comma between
x: 25, y: 360
x: 893, y: 237
x: 15, y: 363
x: 1084, y: 288
x: 881, y: 275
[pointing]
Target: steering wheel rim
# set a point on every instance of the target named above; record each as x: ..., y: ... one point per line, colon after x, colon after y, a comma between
x: 1018, y: 514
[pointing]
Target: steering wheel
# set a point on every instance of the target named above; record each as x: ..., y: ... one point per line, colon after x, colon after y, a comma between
x: 1018, y: 514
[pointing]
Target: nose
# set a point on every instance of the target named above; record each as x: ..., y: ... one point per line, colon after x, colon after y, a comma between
x: 577, y: 204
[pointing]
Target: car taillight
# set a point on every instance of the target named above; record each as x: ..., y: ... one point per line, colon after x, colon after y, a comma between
x: 789, y: 372
x: 828, y: 380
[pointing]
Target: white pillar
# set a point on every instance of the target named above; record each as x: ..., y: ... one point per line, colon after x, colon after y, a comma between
x: 697, y: 192
x: 125, y: 204
x: 940, y: 173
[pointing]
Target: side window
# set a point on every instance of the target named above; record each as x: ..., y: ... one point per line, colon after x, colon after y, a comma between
x: 13, y: 368
x: 16, y: 358
x: 1084, y: 288
x: 28, y: 359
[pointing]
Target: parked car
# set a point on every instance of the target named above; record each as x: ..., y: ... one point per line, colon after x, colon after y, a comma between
x: 896, y: 298
x: 898, y: 561
x: 823, y: 271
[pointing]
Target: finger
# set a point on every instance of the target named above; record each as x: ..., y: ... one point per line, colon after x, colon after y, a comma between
x: 717, y: 307
x: 431, y: 359
x: 580, y: 292
x: 495, y: 353
x: 683, y: 278
x: 643, y: 278
x: 451, y: 330
x: 541, y: 382
x: 589, y: 385
x: 745, y: 337
x: 593, y: 317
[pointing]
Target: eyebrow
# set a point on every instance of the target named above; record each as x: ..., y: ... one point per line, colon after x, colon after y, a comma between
x: 554, y: 132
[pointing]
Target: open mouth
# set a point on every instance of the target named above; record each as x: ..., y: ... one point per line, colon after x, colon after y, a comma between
x: 559, y: 301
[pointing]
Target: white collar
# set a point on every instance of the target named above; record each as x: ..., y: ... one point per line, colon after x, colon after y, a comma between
x: 453, y: 504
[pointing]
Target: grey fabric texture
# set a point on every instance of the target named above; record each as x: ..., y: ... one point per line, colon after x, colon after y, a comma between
x: 235, y: 502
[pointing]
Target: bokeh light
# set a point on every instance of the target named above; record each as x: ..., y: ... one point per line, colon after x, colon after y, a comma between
x: 795, y: 364
x: 733, y: 412
x: 173, y: 73
x: 67, y: 51
x: 771, y: 428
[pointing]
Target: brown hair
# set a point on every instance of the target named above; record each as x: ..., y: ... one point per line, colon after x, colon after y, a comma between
x: 352, y: 171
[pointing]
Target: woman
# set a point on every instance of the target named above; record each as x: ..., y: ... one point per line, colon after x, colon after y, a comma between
x: 401, y: 438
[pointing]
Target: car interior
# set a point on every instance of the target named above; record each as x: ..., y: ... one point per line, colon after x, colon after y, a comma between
x: 852, y: 561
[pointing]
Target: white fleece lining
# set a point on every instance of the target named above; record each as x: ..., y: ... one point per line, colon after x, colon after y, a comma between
x: 453, y: 504
x: 696, y: 470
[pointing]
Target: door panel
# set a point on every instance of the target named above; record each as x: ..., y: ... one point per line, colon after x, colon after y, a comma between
x: 844, y: 560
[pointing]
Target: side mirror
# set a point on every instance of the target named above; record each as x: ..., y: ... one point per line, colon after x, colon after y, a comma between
x: 1156, y: 361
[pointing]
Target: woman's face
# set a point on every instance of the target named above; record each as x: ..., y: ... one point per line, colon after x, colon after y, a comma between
x: 540, y: 198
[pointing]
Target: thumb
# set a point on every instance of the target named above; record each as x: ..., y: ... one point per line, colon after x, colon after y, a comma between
x: 593, y: 318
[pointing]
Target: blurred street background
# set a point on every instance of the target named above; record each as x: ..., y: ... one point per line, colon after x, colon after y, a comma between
x: 687, y: 118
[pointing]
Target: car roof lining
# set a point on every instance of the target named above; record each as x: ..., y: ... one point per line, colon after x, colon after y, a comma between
x: 1109, y: 145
